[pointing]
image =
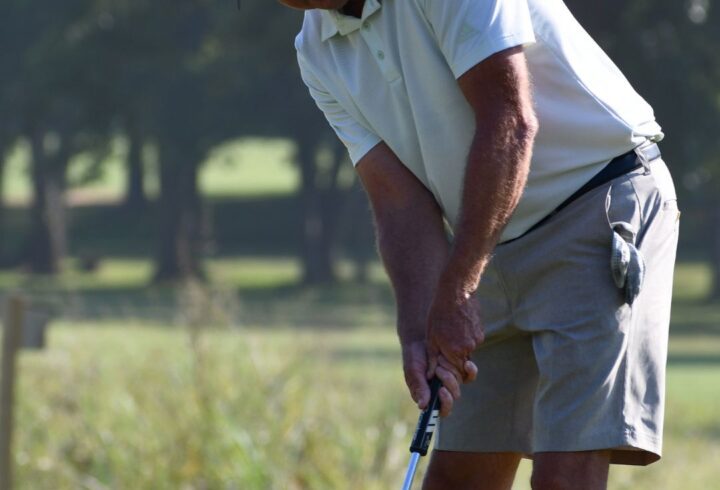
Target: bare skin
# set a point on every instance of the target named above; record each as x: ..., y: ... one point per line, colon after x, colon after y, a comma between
x: 438, y: 317
x: 314, y: 4
x: 476, y: 471
x: 433, y: 283
x: 498, y: 90
x: 496, y: 471
x: 571, y: 471
x: 414, y: 247
x: 349, y: 7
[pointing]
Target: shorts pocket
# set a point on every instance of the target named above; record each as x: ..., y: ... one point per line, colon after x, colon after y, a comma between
x: 663, y: 181
x: 626, y: 210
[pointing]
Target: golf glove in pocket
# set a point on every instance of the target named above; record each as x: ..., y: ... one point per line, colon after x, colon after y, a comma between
x: 626, y: 261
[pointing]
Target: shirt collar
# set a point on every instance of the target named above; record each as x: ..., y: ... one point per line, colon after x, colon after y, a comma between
x: 333, y: 22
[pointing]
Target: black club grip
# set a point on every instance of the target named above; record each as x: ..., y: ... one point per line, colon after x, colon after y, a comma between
x: 427, y: 421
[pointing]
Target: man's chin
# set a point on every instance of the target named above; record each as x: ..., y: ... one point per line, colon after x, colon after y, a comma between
x: 314, y: 4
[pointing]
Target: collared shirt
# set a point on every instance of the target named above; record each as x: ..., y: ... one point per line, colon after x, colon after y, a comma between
x: 392, y: 76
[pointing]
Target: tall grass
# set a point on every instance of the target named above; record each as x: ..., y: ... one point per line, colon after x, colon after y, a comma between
x: 147, y: 408
x: 278, y: 404
x: 143, y: 407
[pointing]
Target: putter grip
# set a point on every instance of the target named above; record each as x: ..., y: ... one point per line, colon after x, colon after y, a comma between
x: 427, y: 421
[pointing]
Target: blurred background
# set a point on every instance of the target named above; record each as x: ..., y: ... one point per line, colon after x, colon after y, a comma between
x: 197, y: 259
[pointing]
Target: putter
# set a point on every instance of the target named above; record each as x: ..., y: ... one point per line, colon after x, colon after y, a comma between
x: 424, y: 431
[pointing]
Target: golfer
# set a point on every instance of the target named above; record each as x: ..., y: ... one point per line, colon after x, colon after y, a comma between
x: 548, y: 308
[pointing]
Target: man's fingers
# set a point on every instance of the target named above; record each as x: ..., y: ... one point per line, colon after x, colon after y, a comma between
x: 471, y: 371
x: 449, y: 381
x: 456, y: 360
x: 414, y: 366
x: 446, y: 402
x: 418, y: 386
x: 421, y: 395
x: 445, y: 364
x: 432, y: 357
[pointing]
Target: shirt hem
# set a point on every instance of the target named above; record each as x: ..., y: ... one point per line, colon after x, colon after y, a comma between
x: 363, y: 148
x: 488, y: 49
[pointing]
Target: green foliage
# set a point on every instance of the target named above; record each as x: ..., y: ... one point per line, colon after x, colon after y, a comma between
x: 134, y: 403
x: 140, y: 408
x: 128, y: 406
x: 247, y: 167
x: 668, y: 50
x: 187, y: 77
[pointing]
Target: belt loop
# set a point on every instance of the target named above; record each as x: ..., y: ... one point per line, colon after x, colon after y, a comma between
x: 643, y: 158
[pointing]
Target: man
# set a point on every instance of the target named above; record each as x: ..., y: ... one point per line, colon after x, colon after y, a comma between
x: 503, y: 119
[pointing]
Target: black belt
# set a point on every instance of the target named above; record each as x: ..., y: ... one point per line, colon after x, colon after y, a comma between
x: 632, y: 160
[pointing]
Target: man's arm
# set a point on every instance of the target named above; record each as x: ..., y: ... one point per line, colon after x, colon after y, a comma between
x: 498, y: 90
x: 414, y: 248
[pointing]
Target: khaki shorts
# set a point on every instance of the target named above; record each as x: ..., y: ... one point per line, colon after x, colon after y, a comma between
x: 568, y: 364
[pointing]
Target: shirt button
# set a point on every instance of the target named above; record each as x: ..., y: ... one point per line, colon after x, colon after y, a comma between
x: 366, y: 26
x: 380, y: 55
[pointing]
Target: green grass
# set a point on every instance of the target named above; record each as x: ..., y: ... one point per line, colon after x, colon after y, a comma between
x: 248, y: 167
x: 692, y: 281
x: 254, y: 290
x: 143, y: 407
x: 128, y: 407
x: 303, y: 391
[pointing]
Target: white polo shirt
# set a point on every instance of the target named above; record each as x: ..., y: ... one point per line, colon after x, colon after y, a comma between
x: 391, y: 76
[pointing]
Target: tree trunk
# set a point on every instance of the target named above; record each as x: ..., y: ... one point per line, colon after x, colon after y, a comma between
x: 180, y: 226
x: 135, y: 198
x: 317, y: 246
x: 47, y: 242
x: 715, y: 263
x: 362, y: 233
x: 3, y: 230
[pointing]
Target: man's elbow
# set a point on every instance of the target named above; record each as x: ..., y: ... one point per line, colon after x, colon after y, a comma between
x: 514, y: 124
x: 527, y: 127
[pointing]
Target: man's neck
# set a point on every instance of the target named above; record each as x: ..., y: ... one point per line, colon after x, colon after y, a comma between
x: 353, y: 8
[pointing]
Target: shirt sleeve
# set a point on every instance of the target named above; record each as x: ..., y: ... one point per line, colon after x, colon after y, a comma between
x: 356, y: 137
x: 468, y: 31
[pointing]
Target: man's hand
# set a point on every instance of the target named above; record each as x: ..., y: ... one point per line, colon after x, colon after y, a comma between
x: 414, y: 358
x: 415, y: 365
x: 454, y: 331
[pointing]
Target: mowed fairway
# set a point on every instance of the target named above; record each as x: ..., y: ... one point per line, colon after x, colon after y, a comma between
x: 284, y: 405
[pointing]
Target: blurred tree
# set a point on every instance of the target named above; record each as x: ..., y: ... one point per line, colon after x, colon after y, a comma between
x: 185, y: 76
x: 55, y: 98
x: 10, y: 92
x: 668, y: 50
x: 135, y: 199
x: 165, y: 64
x: 4, y: 259
x: 281, y: 106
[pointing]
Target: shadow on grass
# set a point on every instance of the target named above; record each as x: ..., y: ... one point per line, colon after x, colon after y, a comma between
x: 346, y: 304
x: 695, y: 318
x: 375, y: 354
x: 693, y: 359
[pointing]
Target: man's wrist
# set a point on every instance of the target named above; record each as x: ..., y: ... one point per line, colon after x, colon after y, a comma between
x: 411, y: 329
x: 407, y: 340
x: 458, y: 283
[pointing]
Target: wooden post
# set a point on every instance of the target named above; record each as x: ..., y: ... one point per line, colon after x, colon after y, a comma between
x: 11, y: 343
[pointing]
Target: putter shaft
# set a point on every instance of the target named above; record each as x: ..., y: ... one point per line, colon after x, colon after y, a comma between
x: 410, y: 475
x: 424, y: 431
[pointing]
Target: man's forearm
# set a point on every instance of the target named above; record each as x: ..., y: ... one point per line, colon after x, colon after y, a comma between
x: 414, y: 248
x: 498, y: 90
x: 495, y: 177
x: 410, y: 233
